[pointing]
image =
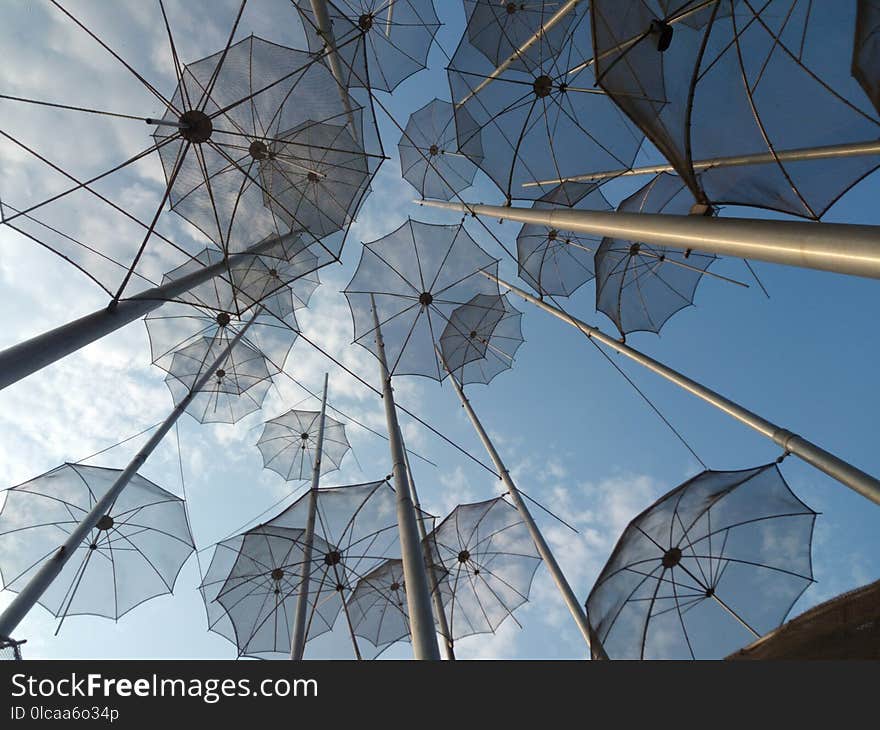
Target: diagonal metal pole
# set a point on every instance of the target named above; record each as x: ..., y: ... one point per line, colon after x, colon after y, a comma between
x: 803, y: 154
x: 439, y: 609
x: 415, y: 574
x: 833, y: 466
x: 298, y: 641
x: 28, y: 357
x: 571, y: 601
x: 839, y: 247
x: 50, y: 569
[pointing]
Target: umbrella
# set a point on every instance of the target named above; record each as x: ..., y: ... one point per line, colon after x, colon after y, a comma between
x: 741, y: 77
x: 377, y: 606
x: 416, y: 276
x: 133, y: 554
x: 288, y: 444
x: 241, y: 102
x: 554, y: 262
x: 490, y: 560
x: 429, y: 157
x: 709, y: 567
x: 237, y: 388
x: 251, y: 587
x: 865, y: 60
x: 379, y: 43
x: 481, y: 338
x: 640, y: 286
x: 536, y: 117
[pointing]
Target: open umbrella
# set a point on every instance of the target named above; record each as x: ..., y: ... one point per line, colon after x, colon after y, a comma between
x: 709, y: 567
x: 288, y: 444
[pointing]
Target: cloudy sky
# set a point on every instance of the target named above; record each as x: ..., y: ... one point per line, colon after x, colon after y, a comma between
x: 573, y: 431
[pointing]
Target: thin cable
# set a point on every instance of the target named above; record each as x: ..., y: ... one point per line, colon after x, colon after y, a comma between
x: 119, y: 443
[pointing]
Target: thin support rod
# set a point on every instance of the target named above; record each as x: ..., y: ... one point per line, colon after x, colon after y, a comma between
x: 833, y: 466
x: 415, y: 575
x: 298, y: 641
x: 519, y: 52
x: 439, y: 609
x: 574, y: 606
x: 50, y: 569
x: 167, y: 123
x: 28, y: 357
x: 803, y: 154
x: 839, y: 247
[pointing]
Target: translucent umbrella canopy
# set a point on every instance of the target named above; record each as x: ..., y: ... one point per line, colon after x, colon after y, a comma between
x: 490, y: 561
x: 728, y: 78
x: 539, y: 118
x: 429, y: 157
x: 282, y: 279
x: 239, y: 104
x: 709, y: 567
x: 288, y: 444
x: 236, y: 389
x: 416, y: 277
x: 357, y: 527
x: 481, y: 338
x: 640, y: 286
x: 554, y: 262
x: 378, y: 608
x: 252, y: 586
x: 174, y: 326
x: 315, y: 177
x: 379, y: 43
x: 500, y: 29
x: 133, y: 554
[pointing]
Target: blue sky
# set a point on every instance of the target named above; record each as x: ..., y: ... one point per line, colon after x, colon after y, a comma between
x: 573, y: 432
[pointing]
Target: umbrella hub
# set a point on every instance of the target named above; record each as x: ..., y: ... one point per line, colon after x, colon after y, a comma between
x: 464, y: 556
x: 634, y: 249
x: 671, y: 557
x: 221, y: 373
x: 340, y: 587
x: 551, y: 236
x: 277, y: 574
x: 304, y: 436
x: 395, y: 586
x: 223, y: 319
x: 542, y: 86
x: 313, y: 177
x: 258, y: 150
x: 105, y: 523
x: 332, y: 558
x: 662, y: 33
x: 433, y: 150
x: 197, y: 126
x: 426, y: 298
x: 273, y: 273
x: 511, y: 8
x: 365, y: 22
x: 473, y: 334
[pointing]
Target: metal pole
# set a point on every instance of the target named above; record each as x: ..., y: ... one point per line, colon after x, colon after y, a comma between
x: 574, y: 606
x: 838, y: 247
x: 842, y: 471
x: 27, y: 357
x: 518, y: 53
x: 439, y: 609
x: 298, y: 641
x: 804, y: 154
x: 47, y: 573
x: 325, y: 30
x: 418, y: 594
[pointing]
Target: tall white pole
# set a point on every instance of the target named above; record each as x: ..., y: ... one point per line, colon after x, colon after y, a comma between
x: 571, y: 601
x: 298, y: 641
x: 439, y: 609
x: 415, y: 574
x: 838, y: 247
x: 50, y: 569
x: 837, y: 468
x: 27, y: 357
